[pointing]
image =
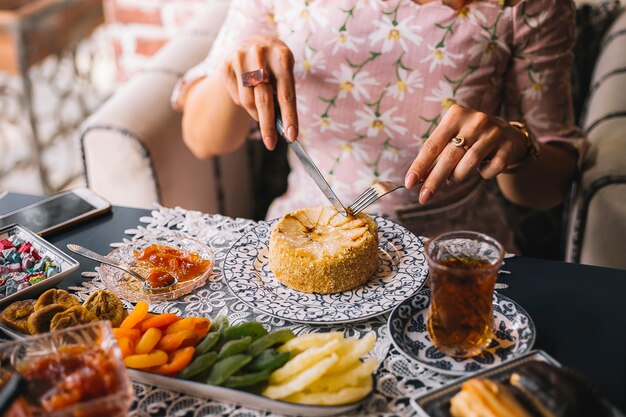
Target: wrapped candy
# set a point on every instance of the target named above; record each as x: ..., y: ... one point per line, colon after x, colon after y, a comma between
x: 21, y: 266
x: 35, y: 278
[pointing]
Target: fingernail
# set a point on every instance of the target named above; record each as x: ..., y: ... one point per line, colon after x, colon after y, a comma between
x: 270, y: 142
x: 425, y: 195
x: 410, y: 180
x: 292, y: 134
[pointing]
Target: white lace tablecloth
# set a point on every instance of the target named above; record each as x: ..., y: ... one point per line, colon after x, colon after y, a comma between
x: 398, y: 380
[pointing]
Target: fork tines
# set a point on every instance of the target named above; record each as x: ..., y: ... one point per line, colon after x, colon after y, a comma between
x: 362, y: 201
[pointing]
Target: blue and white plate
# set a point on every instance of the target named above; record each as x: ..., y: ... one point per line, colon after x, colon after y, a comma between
x: 401, y: 273
x: 514, y: 334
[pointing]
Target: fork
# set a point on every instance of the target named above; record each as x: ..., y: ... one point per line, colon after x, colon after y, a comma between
x: 371, y: 194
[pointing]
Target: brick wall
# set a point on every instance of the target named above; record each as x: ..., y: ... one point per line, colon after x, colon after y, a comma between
x: 138, y: 28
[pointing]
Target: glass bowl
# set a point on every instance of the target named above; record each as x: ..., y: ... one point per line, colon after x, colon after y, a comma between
x: 94, y: 340
x: 132, y: 289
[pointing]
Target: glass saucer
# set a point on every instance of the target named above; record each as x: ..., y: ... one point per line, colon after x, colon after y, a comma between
x: 132, y: 289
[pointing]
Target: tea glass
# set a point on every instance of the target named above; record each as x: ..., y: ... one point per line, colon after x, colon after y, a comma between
x: 464, y: 266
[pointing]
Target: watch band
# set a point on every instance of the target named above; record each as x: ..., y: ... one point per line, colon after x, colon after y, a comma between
x: 532, y: 145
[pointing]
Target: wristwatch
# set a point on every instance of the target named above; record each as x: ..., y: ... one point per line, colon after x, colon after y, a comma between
x: 532, y: 145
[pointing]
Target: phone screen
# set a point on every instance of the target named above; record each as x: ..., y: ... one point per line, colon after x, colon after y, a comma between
x: 49, y: 213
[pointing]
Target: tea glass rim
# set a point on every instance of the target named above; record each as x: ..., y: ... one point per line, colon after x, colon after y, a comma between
x: 434, y: 263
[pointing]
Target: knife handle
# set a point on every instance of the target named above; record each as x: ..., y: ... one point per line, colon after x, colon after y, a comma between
x: 278, y: 119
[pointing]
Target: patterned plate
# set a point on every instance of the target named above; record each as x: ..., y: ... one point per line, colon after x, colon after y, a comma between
x: 401, y: 273
x: 514, y: 334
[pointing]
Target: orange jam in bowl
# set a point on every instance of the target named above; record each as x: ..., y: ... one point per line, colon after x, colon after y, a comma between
x: 184, y: 262
x: 167, y: 263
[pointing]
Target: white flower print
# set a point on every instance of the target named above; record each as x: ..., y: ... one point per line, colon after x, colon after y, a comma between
x: 366, y: 177
x: 538, y: 83
x: 535, y: 22
x: 341, y: 187
x: 379, y: 123
x: 443, y: 94
x: 311, y: 62
x: 472, y: 14
x: 486, y: 47
x: 355, y: 85
x: 391, y: 153
x: 440, y: 56
x: 407, y: 83
x: 344, y: 40
x: 390, y: 34
x: 355, y: 149
x: 325, y: 123
x: 306, y: 13
x: 537, y: 118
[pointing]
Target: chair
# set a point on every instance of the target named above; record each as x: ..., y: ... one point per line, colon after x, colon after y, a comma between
x: 132, y: 146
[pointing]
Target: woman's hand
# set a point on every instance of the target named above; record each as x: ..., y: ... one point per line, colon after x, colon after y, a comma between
x: 489, y: 145
x: 272, y: 55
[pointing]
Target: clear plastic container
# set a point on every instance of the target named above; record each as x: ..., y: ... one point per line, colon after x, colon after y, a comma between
x: 63, y: 362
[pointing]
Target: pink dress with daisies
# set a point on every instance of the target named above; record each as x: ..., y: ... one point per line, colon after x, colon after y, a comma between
x: 373, y: 79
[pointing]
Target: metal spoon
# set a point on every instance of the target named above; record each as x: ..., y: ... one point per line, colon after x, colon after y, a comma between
x: 97, y: 257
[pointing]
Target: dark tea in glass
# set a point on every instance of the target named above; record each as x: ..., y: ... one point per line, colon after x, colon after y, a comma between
x: 463, y: 270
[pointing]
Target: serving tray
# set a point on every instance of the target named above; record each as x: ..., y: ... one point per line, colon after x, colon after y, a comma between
x: 229, y: 395
x: 66, y: 263
x: 433, y: 402
x: 243, y: 398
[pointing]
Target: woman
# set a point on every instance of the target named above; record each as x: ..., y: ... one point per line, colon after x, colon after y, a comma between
x: 400, y: 90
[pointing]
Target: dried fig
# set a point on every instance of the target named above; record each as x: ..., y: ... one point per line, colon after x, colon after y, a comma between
x: 106, y: 306
x: 72, y: 317
x: 54, y: 296
x: 15, y: 316
x: 40, y: 320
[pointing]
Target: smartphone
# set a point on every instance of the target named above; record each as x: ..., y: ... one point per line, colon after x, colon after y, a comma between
x: 58, y: 212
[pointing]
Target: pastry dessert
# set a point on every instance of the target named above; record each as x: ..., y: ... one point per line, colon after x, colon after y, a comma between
x: 54, y: 296
x: 74, y: 316
x: 320, y: 250
x: 557, y: 392
x: 39, y: 321
x: 535, y: 389
x: 486, y: 398
x: 106, y: 306
x: 16, y: 315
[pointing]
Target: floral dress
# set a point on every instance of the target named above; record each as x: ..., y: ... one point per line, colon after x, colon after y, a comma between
x: 374, y: 78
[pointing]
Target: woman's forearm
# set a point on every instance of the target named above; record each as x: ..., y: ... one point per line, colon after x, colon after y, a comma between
x: 542, y: 183
x: 212, y: 123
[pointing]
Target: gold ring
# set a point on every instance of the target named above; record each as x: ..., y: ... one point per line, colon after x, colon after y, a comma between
x: 254, y: 78
x: 458, y: 141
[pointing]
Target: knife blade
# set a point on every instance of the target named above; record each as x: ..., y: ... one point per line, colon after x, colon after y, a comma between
x: 308, y: 163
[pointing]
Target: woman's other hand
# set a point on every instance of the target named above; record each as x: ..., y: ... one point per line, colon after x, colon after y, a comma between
x: 489, y: 145
x: 272, y: 55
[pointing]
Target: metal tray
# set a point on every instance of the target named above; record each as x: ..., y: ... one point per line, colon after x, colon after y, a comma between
x: 243, y: 398
x: 45, y: 248
x: 437, y: 399
x: 434, y: 402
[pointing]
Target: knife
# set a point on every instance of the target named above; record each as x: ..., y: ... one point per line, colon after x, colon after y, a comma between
x: 308, y: 163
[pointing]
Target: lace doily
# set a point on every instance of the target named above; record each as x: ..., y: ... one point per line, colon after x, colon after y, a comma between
x: 398, y: 380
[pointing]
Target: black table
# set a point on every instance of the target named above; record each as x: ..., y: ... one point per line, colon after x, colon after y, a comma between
x: 578, y: 310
